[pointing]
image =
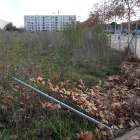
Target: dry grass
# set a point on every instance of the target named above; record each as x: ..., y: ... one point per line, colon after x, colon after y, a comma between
x: 71, y: 54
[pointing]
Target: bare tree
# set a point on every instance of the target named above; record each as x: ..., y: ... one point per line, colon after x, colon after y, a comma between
x: 117, y: 11
x: 98, y: 14
x: 95, y: 16
x: 108, y: 15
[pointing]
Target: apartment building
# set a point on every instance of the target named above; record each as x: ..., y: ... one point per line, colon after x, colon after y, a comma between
x: 47, y: 22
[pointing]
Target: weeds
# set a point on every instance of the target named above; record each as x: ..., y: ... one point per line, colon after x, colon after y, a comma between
x: 68, y: 55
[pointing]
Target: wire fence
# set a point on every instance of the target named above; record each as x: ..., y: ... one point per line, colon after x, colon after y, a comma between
x: 121, y: 40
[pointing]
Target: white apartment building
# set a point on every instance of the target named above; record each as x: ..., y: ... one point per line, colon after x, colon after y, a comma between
x: 47, y: 22
x: 3, y: 23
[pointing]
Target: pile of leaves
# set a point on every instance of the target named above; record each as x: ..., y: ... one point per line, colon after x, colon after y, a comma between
x: 116, y: 101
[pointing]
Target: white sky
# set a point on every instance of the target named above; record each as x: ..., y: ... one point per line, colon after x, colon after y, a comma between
x: 14, y: 10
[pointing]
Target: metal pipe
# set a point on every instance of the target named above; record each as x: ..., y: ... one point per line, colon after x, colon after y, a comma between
x: 62, y: 104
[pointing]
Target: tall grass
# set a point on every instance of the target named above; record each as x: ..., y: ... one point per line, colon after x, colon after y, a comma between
x: 55, y: 53
x: 72, y: 54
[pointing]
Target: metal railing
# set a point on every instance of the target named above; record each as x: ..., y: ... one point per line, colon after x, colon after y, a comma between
x: 62, y: 104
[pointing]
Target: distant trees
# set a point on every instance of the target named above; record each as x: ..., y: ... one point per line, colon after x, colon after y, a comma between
x: 95, y: 16
x: 21, y: 29
x: 113, y: 24
x: 112, y: 9
x: 103, y: 13
x: 117, y: 11
x: 10, y: 27
x: 129, y: 10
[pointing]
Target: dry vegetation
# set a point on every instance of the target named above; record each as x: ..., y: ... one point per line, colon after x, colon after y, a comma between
x: 63, y: 58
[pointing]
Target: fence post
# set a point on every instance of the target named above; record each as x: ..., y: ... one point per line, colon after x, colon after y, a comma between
x: 120, y: 33
x: 110, y: 36
x: 115, y: 27
x: 136, y: 39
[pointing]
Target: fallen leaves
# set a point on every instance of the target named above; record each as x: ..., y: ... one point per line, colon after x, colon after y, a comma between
x: 2, y: 125
x: 109, y: 133
x: 70, y: 110
x: 30, y: 70
x: 22, y: 105
x: 114, y: 107
x: 10, y: 97
x: 132, y: 123
x: 39, y: 101
x: 4, y: 107
x: 39, y: 79
x: 101, y: 126
x: 88, y: 135
x: 50, y: 105
x: 121, y: 126
x: 121, y: 121
x: 1, y: 88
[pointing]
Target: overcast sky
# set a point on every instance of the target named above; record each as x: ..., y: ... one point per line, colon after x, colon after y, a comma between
x: 14, y: 10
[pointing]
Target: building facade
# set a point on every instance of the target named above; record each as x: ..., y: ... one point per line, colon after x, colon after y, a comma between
x: 3, y: 23
x: 47, y: 22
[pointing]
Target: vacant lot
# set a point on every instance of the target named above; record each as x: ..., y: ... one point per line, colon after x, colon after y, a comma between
x: 62, y: 58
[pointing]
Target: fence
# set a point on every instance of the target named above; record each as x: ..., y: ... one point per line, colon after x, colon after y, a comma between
x: 121, y: 40
x: 126, y: 31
